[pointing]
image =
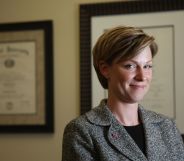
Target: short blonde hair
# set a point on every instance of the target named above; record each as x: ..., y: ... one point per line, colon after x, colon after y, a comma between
x: 122, y: 42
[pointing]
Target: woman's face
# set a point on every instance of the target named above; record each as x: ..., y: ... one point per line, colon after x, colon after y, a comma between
x: 129, y: 81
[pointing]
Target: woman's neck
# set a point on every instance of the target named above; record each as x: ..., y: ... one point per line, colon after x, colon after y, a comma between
x: 125, y: 113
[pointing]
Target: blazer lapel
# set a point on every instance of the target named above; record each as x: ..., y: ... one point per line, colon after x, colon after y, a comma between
x: 155, y: 146
x: 122, y: 141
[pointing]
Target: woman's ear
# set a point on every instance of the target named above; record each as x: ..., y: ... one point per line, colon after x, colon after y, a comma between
x: 104, y: 69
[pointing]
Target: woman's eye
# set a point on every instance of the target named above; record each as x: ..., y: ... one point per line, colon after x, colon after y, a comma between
x: 148, y: 66
x: 130, y: 66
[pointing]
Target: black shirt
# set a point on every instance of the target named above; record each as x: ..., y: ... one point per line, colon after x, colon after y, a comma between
x: 137, y: 133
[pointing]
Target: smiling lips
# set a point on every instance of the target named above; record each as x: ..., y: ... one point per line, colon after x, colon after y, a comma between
x: 138, y: 86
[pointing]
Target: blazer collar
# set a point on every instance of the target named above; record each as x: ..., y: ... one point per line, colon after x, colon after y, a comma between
x: 149, y: 117
x: 101, y: 115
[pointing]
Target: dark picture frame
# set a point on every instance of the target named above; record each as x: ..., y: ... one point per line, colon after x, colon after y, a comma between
x: 88, y: 11
x: 26, y: 59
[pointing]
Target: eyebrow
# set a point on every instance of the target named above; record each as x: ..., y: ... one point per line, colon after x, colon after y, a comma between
x: 149, y: 61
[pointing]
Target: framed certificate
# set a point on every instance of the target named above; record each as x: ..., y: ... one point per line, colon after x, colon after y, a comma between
x: 26, y: 77
x: 160, y: 18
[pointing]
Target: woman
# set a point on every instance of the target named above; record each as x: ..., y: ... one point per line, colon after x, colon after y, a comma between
x: 120, y: 129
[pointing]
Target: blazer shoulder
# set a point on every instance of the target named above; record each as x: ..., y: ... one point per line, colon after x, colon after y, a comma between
x: 76, y: 124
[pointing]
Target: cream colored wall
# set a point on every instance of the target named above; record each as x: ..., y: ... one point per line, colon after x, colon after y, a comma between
x: 65, y: 15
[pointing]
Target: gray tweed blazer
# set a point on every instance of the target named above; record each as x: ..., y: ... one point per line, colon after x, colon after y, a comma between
x: 98, y: 136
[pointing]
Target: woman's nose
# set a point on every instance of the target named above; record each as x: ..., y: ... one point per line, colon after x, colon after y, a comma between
x: 140, y: 74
